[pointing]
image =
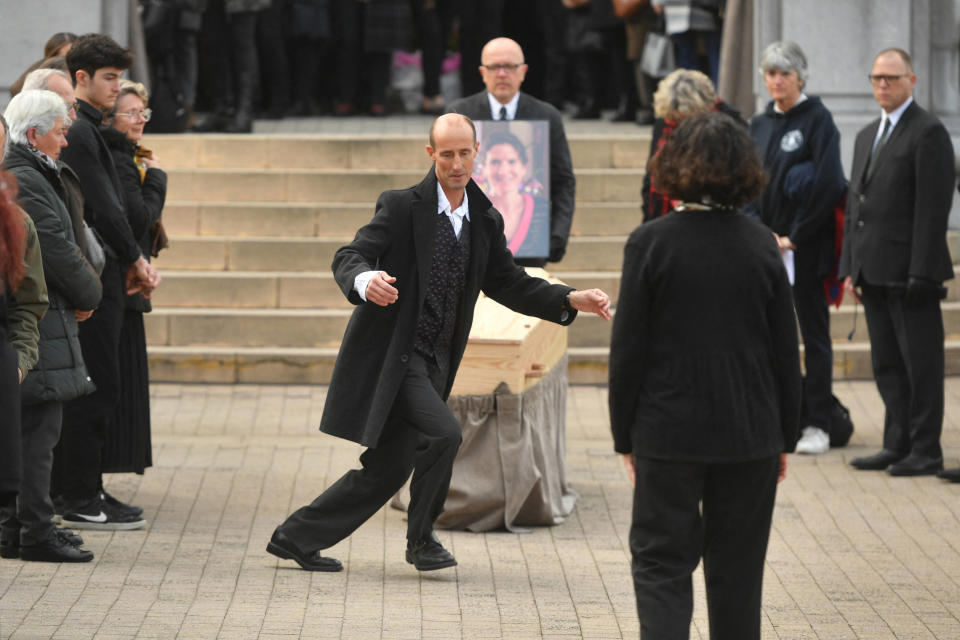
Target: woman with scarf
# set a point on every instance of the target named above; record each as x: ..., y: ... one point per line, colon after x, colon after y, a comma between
x: 128, y: 447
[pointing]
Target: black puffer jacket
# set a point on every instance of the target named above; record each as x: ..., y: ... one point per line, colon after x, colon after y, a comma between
x: 72, y: 283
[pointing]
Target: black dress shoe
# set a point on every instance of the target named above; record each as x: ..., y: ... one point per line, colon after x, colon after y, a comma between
x: 428, y: 554
x: 916, y: 466
x: 878, y: 461
x: 54, y: 549
x: 587, y: 110
x: 282, y: 547
x: 10, y: 543
x: 70, y: 537
x: 953, y: 475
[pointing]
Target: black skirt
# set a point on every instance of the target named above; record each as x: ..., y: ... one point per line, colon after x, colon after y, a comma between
x: 127, y: 446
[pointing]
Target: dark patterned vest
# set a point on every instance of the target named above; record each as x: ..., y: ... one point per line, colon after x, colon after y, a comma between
x: 448, y: 277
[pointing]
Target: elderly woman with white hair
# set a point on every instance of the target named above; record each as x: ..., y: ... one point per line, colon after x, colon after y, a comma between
x: 37, y: 123
x: 800, y: 147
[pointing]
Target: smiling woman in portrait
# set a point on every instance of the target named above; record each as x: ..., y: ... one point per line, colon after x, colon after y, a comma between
x: 506, y: 178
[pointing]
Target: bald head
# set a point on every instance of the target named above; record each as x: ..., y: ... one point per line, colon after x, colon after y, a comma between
x: 500, y: 46
x: 442, y: 125
x: 502, y: 68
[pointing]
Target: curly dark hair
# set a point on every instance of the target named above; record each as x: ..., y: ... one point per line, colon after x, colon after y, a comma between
x: 94, y: 51
x: 709, y: 158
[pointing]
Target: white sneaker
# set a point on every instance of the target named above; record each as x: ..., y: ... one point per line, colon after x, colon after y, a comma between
x: 814, y: 441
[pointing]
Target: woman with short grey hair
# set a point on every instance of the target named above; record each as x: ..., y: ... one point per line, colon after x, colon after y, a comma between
x: 37, y: 122
x: 800, y: 147
x: 785, y: 56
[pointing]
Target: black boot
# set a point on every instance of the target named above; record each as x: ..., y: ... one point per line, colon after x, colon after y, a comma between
x: 243, y: 121
x: 215, y: 121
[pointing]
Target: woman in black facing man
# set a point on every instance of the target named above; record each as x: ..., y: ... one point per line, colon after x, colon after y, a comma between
x: 704, y: 385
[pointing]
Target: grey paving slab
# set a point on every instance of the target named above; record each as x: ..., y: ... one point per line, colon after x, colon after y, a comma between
x: 852, y: 554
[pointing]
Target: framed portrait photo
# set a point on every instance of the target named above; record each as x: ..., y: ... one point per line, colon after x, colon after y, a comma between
x: 513, y: 169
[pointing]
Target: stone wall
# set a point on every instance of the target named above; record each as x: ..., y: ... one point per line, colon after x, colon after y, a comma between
x: 25, y: 27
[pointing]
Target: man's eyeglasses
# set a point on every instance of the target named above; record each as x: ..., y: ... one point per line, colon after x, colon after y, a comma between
x: 509, y: 68
x: 133, y: 115
x: 877, y: 78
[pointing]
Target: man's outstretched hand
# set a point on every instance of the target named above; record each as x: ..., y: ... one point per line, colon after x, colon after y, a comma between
x: 591, y: 301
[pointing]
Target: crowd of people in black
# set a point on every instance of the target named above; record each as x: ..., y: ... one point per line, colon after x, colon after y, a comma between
x: 81, y: 205
x: 239, y: 59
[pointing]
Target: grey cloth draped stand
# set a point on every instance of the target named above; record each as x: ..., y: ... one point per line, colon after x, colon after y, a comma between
x: 510, y: 472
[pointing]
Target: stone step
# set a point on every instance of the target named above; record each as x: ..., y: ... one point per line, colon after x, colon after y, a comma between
x: 342, y: 219
x: 361, y: 152
x: 231, y: 253
x: 587, y: 365
x: 249, y: 289
x: 317, y: 289
x: 355, y: 185
x: 226, y: 253
x: 295, y: 289
x: 267, y: 327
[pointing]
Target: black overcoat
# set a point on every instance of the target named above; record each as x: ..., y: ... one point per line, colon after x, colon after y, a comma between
x: 896, y: 220
x: 378, y: 341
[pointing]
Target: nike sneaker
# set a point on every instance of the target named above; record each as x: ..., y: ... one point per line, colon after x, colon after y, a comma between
x: 94, y: 514
x: 119, y: 506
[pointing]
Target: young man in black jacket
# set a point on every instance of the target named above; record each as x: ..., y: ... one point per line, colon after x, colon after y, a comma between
x: 96, y: 63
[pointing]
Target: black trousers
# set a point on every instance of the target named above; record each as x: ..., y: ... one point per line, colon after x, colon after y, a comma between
x: 421, y: 435
x: 85, y: 419
x: 434, y: 19
x: 682, y: 511
x: 813, y: 316
x: 363, y: 75
x: 906, y: 347
x: 233, y: 65
x: 34, y: 510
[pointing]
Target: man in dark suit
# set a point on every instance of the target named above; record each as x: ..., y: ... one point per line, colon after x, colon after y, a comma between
x: 415, y: 271
x: 895, y: 251
x: 503, y: 71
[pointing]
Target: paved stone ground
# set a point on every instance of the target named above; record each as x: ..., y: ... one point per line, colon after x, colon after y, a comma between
x: 852, y: 555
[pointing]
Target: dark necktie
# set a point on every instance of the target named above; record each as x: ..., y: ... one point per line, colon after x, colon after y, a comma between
x: 503, y: 113
x: 876, y: 150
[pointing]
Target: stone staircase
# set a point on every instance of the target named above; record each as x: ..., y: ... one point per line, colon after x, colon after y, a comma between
x: 254, y: 221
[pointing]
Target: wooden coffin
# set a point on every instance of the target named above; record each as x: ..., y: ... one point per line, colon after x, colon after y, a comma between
x: 505, y: 346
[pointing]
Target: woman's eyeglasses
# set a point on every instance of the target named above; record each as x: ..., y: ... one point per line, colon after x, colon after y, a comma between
x: 133, y: 115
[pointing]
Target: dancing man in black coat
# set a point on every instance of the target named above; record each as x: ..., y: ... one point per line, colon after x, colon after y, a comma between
x: 415, y: 271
